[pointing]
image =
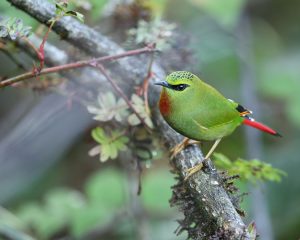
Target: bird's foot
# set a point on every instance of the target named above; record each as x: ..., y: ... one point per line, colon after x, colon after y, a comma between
x: 179, y: 147
x: 191, y: 171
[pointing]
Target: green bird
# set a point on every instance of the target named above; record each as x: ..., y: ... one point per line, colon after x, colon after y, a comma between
x: 199, y: 112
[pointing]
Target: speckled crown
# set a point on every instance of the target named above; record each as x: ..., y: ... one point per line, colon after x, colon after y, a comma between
x: 181, y: 75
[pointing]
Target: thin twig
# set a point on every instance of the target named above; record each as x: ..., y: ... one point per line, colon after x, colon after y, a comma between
x: 120, y: 92
x: 73, y: 65
x: 146, y: 83
x: 30, y: 44
x: 41, y: 51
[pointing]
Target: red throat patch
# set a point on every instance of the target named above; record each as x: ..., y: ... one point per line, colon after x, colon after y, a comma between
x: 164, y: 104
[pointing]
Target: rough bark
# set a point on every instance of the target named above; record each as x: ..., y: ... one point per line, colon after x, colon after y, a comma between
x: 207, y: 207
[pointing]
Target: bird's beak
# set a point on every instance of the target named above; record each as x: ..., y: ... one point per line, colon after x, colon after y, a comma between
x: 163, y: 83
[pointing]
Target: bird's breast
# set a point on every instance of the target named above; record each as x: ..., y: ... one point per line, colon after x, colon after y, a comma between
x: 164, y: 104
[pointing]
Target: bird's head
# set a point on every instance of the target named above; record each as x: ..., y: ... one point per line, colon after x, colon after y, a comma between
x: 178, y: 82
x: 177, y: 87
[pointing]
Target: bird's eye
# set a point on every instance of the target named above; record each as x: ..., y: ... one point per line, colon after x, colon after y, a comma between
x: 180, y: 87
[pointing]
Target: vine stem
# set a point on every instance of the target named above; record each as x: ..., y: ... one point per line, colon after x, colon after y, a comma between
x: 41, y: 51
x: 73, y: 65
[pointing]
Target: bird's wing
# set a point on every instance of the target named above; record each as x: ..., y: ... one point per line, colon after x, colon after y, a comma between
x: 216, y: 111
x: 213, y: 108
x: 244, y: 112
x: 207, y: 129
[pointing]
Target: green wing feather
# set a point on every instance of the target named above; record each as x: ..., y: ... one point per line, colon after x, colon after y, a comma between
x: 214, y: 109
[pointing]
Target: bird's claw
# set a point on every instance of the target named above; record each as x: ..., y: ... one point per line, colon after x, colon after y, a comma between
x: 179, y: 147
x: 191, y: 171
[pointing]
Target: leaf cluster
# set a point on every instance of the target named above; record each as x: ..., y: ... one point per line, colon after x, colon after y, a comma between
x: 112, y: 141
x: 109, y: 144
x: 78, y: 212
x: 139, y: 106
x: 249, y: 170
x: 13, y: 28
x: 62, y: 10
x: 103, y: 199
x: 155, y: 31
x: 110, y: 108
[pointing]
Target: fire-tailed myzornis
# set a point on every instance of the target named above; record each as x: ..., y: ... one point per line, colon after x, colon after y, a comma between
x: 199, y: 112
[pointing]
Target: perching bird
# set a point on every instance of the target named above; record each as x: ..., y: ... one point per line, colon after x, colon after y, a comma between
x: 199, y: 112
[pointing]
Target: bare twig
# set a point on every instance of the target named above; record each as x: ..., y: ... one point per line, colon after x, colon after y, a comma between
x: 41, y: 51
x: 68, y: 66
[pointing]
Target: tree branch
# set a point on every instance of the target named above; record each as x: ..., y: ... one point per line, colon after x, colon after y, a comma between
x: 202, y: 199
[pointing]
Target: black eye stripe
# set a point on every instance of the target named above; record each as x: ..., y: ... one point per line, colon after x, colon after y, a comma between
x: 179, y: 87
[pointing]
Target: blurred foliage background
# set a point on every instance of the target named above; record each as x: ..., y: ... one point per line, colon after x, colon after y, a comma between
x: 48, y: 192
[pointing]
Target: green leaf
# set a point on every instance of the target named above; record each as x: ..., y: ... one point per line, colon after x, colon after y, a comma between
x: 249, y: 170
x: 144, y: 154
x: 133, y: 120
x: 13, y: 28
x: 106, y: 195
x: 139, y: 106
x: 109, y: 108
x: 62, y: 10
x: 94, y: 151
x: 99, y: 136
x: 60, y: 7
x: 110, y: 145
x: 77, y: 15
x: 55, y: 214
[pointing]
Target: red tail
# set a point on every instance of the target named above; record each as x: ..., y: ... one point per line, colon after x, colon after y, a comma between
x: 261, y: 127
